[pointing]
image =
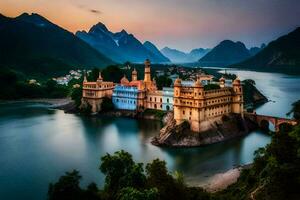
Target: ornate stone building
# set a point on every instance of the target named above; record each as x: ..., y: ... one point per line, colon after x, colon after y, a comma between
x: 136, y: 92
x: 94, y: 92
x: 195, y: 105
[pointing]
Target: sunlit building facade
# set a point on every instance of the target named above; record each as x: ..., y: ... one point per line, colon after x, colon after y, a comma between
x: 94, y: 92
x: 195, y: 105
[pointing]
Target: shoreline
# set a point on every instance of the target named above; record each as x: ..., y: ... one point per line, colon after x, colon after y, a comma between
x: 57, y: 102
x: 221, y: 181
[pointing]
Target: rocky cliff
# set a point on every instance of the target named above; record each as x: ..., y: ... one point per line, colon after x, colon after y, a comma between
x: 215, y: 130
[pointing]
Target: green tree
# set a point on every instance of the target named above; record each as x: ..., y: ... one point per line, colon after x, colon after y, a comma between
x: 121, y: 171
x: 76, y: 95
x: 163, y: 81
x: 130, y: 193
x: 112, y: 73
x: 159, y: 177
x: 93, y: 76
x: 67, y: 187
x: 295, y: 110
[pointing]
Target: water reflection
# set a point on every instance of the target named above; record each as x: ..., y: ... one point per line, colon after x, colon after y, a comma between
x: 38, y: 144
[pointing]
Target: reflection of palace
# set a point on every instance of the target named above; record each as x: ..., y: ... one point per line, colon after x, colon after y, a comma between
x: 188, y: 99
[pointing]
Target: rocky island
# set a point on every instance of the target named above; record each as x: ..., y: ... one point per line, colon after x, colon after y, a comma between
x: 213, y: 131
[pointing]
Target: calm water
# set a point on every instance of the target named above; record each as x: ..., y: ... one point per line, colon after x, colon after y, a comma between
x: 38, y: 144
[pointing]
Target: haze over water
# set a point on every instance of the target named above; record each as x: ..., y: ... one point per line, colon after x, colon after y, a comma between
x: 38, y: 144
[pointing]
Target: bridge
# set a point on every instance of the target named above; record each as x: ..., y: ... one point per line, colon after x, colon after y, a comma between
x: 276, y: 121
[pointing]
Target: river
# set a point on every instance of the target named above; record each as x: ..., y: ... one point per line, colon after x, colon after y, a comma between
x: 38, y: 144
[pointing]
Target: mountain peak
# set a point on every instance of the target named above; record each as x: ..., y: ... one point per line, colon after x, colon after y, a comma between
x: 225, y: 53
x: 149, y: 44
x: 123, y: 31
x: 98, y: 27
x: 35, y: 18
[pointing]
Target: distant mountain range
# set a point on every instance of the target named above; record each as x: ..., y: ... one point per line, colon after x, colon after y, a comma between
x: 177, y: 56
x: 120, y: 46
x: 227, y: 52
x: 282, y: 53
x: 31, y: 43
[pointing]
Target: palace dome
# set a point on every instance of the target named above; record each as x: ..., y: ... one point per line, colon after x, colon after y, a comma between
x: 177, y: 82
x: 134, y: 72
x: 124, y: 81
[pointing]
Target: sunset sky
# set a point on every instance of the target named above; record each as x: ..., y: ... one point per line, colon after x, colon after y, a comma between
x: 181, y: 24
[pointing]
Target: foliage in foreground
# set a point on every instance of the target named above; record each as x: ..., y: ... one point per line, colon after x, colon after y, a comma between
x: 295, y: 110
x: 126, y: 180
x: 275, y: 175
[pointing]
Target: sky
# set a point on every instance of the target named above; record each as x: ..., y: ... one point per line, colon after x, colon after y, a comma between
x: 180, y: 24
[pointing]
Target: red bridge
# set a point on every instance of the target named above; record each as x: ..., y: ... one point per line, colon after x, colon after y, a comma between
x: 276, y: 121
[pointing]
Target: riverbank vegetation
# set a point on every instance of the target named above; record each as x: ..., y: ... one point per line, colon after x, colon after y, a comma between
x: 15, y: 86
x: 295, y: 110
x: 274, y: 175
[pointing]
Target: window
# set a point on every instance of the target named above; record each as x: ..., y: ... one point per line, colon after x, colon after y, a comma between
x: 183, y: 112
x: 167, y: 100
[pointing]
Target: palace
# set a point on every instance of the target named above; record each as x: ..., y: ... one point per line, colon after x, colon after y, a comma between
x: 137, y: 94
x: 94, y: 92
x: 195, y: 105
x: 188, y: 99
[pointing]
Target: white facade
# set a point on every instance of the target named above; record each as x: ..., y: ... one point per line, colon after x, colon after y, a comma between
x: 167, y: 100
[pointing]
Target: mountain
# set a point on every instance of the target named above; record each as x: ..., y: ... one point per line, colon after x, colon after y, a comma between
x: 152, y: 48
x: 177, y: 56
x: 174, y: 55
x: 225, y: 53
x: 33, y: 44
x: 120, y: 46
x: 197, y: 54
x: 254, y: 50
x: 283, y: 52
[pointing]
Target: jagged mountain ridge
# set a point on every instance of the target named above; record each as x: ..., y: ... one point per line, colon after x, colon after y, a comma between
x: 120, y: 46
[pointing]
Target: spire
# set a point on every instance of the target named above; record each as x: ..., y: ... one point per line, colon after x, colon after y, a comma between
x: 147, y: 77
x: 134, y: 75
x: 222, y: 82
x: 100, y: 77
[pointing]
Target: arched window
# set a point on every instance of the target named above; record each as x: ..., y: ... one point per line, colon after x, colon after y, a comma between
x: 168, y: 107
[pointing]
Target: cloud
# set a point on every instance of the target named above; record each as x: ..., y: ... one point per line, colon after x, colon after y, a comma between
x: 95, y: 11
x: 86, y: 8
